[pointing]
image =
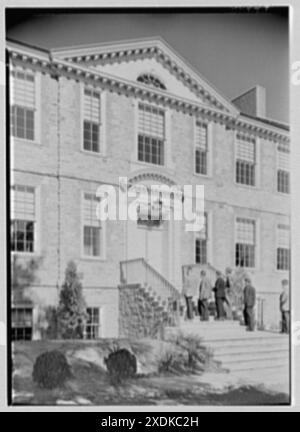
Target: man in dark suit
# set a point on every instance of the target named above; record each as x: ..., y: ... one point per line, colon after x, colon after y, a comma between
x: 249, y: 303
x: 220, y: 296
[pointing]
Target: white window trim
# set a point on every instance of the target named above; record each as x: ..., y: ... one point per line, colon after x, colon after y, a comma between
x: 280, y: 271
x: 167, y: 148
x: 37, y: 224
x: 208, y: 240
x: 102, y: 125
x: 209, y: 147
x: 276, y: 175
x: 257, y: 260
x: 35, y: 334
x: 257, y: 176
x: 102, y: 256
x: 38, y: 107
x: 100, y: 325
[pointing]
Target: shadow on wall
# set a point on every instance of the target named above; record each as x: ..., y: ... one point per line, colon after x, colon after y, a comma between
x: 23, y: 276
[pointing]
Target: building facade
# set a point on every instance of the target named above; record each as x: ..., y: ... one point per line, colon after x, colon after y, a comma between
x: 85, y: 116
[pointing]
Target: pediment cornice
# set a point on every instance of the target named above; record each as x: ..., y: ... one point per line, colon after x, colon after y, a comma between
x: 150, y: 48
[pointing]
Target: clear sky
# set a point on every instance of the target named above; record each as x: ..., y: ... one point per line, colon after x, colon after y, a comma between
x: 233, y: 51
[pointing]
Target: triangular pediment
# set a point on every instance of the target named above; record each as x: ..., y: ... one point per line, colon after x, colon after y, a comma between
x: 153, y: 58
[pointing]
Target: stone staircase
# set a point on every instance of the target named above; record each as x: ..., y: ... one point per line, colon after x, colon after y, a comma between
x: 238, y: 350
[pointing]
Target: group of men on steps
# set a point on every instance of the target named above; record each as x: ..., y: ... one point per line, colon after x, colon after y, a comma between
x: 223, y: 290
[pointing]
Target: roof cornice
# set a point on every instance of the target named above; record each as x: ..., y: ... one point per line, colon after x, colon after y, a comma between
x: 80, y: 72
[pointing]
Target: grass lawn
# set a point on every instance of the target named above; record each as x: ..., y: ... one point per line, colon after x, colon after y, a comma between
x: 91, y: 384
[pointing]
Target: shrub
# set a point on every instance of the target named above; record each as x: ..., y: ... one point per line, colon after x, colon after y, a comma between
x: 121, y: 364
x: 187, y: 355
x: 172, y: 361
x: 198, y: 357
x: 51, y: 369
x: 71, y: 314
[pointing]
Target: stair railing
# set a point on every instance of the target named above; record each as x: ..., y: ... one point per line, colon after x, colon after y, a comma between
x: 139, y: 271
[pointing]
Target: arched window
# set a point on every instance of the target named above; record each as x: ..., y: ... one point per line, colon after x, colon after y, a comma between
x: 151, y: 80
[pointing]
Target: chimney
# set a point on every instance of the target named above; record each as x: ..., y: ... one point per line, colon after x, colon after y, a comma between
x: 252, y: 102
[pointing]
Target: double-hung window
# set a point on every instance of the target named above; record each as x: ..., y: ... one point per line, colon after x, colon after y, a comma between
x: 23, y: 104
x: 201, y: 149
x: 245, y: 159
x: 283, y: 168
x: 245, y: 243
x: 92, y: 327
x: 23, y: 219
x: 283, y: 247
x: 151, y: 134
x: 92, y: 232
x: 21, y: 323
x: 201, y: 244
x: 91, y: 120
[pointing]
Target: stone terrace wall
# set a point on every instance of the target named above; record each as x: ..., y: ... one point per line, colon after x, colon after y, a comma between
x: 139, y: 313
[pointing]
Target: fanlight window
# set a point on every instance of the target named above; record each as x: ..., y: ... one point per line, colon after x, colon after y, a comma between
x: 151, y: 80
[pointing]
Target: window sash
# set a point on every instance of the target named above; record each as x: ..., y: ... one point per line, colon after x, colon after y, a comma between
x: 283, y: 160
x: 245, y: 173
x: 200, y: 251
x: 23, y: 88
x: 91, y: 136
x: 22, y: 122
x: 92, y: 328
x: 22, y: 236
x: 23, y: 202
x: 91, y: 109
x: 245, y: 148
x: 245, y: 231
x: 201, y: 161
x: 91, y: 241
x: 21, y: 323
x: 201, y: 136
x: 90, y: 203
x: 151, y: 121
x: 150, y: 150
x: 245, y: 255
x: 283, y: 181
x: 283, y: 258
x: 283, y: 236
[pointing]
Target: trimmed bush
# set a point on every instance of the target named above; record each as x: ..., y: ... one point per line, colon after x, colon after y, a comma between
x: 121, y: 364
x: 51, y: 369
x: 71, y: 313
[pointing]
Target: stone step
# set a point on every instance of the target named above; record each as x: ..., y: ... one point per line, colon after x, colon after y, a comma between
x: 255, y: 364
x: 251, y: 355
x: 238, y: 349
x: 245, y: 338
x: 197, y: 324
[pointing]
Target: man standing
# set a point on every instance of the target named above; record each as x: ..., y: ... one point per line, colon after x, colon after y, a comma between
x: 204, y: 295
x: 219, y: 290
x: 189, y: 292
x: 228, y: 293
x: 249, y: 303
x: 284, y: 301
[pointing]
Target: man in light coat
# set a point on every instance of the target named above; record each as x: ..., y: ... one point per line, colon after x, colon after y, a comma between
x: 284, y: 301
x: 189, y: 294
x: 204, y: 296
x: 228, y: 293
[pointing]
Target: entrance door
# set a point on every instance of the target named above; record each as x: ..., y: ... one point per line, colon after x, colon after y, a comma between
x: 150, y: 243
